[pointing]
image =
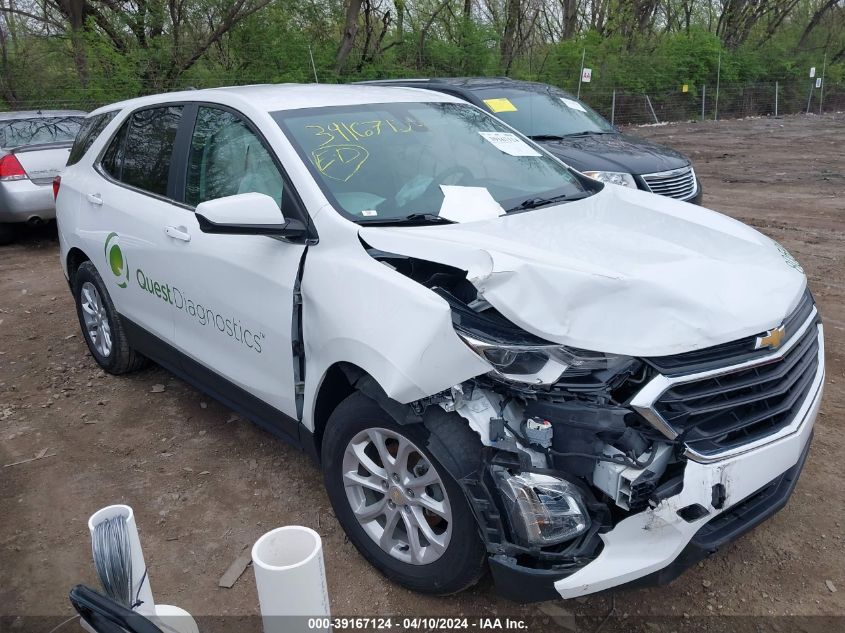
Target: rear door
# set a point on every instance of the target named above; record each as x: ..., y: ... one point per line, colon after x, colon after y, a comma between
x: 126, y: 205
x: 234, y: 294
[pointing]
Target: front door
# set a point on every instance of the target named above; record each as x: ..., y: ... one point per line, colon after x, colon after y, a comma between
x: 233, y: 295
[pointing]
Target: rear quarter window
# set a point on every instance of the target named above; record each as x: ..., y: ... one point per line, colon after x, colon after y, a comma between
x: 88, y: 133
x: 140, y: 153
x: 149, y: 148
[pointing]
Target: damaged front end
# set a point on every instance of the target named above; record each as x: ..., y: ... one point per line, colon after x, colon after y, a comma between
x: 565, y: 457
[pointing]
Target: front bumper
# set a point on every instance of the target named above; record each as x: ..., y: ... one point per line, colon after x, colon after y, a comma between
x: 23, y: 200
x: 656, y: 545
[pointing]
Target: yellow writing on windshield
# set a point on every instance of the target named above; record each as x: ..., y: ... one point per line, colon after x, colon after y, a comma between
x: 338, y: 156
x: 339, y: 162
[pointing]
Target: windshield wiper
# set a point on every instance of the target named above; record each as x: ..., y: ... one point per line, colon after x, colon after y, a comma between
x: 533, y: 203
x: 413, y: 218
x: 563, y: 137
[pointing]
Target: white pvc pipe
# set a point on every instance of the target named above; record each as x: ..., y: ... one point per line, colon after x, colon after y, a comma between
x: 172, y: 619
x: 145, y: 594
x: 291, y: 579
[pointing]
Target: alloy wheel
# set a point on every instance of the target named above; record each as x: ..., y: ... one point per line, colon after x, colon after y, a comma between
x: 96, y: 319
x: 397, y: 496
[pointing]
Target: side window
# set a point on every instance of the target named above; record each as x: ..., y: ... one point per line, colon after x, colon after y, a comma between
x: 88, y: 133
x: 113, y: 156
x: 226, y: 159
x: 149, y: 147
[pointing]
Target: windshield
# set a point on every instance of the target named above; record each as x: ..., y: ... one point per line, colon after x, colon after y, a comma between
x: 542, y: 111
x: 39, y: 131
x: 423, y: 161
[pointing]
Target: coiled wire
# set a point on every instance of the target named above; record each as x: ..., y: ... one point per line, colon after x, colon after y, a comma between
x: 113, y: 559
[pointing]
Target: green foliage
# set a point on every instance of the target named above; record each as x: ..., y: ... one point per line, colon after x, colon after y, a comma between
x: 399, y: 38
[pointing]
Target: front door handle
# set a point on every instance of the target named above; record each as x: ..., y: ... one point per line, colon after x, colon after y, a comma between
x: 177, y: 233
x: 94, y: 198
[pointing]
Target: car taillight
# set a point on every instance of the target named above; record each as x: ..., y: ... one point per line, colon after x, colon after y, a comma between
x: 57, y: 182
x: 11, y: 169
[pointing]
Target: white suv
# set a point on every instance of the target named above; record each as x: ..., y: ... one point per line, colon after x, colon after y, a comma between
x: 496, y: 361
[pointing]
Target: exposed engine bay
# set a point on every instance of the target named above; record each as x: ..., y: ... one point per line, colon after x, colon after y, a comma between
x: 566, y: 457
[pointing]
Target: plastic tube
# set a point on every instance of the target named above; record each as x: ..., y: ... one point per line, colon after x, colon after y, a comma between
x: 139, y: 567
x: 291, y: 579
x: 172, y: 619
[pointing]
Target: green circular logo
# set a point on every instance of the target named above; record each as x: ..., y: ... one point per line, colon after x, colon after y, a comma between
x: 116, y: 261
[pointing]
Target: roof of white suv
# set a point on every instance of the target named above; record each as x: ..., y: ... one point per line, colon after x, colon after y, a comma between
x: 274, y: 97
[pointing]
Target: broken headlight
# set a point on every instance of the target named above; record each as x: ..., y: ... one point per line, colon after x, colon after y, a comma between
x: 538, y: 364
x: 543, y: 510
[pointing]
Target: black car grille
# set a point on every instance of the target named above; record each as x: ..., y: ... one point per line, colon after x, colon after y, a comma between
x: 722, y: 412
x: 732, y: 353
x: 678, y: 183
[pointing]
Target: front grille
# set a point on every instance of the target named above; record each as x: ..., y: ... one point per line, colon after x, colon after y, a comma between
x: 732, y: 353
x: 715, y: 414
x: 678, y: 183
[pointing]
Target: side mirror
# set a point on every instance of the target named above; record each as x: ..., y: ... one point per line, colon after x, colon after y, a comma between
x: 246, y: 214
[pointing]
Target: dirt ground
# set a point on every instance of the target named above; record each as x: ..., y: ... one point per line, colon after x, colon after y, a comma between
x: 205, y: 484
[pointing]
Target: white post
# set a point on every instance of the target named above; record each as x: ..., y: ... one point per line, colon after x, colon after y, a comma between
x: 313, y: 67
x: 139, y: 567
x: 821, y: 93
x: 650, y: 107
x: 291, y: 579
x: 613, y: 109
x: 777, y: 86
x: 581, y: 74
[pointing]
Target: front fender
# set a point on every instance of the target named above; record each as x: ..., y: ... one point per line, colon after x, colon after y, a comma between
x: 359, y: 311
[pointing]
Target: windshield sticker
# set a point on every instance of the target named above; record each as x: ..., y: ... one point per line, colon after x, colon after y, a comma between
x: 572, y: 104
x: 369, y: 213
x: 468, y: 204
x: 500, y: 105
x: 509, y: 143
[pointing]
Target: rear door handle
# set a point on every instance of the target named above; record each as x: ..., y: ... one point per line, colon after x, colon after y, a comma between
x: 177, y: 233
x: 94, y: 198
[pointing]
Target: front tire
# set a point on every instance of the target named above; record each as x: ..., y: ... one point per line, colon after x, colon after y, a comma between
x: 399, y: 505
x: 101, y: 324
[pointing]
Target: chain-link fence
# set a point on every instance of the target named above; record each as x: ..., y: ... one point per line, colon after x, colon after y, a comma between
x: 623, y: 107
x: 712, y: 102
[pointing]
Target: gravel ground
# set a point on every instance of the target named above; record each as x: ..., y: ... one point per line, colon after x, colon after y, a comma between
x: 204, y: 483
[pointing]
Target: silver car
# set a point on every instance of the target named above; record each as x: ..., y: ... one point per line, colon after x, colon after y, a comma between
x: 34, y: 149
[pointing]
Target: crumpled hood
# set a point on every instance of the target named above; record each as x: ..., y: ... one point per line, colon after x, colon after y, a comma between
x: 623, y: 271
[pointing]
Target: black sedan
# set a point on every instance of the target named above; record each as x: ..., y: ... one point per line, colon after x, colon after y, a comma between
x: 574, y: 132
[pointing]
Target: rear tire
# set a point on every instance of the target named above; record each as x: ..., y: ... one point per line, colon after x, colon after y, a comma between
x: 101, y: 324
x: 8, y: 233
x: 445, y: 556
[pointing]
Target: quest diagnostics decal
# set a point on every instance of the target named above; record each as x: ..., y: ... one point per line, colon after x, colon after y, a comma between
x: 116, y: 261
x: 199, y: 314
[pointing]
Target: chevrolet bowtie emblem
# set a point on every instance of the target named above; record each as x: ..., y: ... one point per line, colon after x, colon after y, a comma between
x: 771, y: 339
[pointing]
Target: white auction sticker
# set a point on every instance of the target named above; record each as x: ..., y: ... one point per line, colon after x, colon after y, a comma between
x: 510, y: 143
x: 571, y: 103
